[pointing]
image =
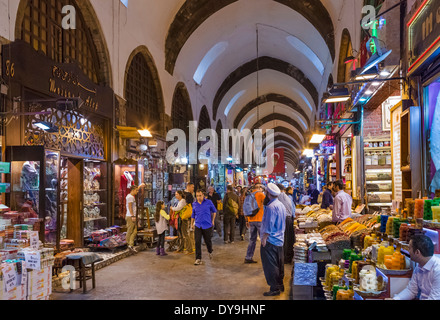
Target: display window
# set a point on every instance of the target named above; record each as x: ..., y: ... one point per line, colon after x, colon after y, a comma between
x: 432, y: 134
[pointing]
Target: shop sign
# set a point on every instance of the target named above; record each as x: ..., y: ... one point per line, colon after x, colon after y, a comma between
x: 33, y: 260
x: 10, y: 277
x: 5, y: 167
x: 22, y: 64
x: 424, y: 31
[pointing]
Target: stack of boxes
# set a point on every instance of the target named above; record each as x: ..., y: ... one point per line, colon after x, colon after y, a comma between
x: 22, y: 278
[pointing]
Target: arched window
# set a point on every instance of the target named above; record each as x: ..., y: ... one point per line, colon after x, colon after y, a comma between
x: 42, y: 29
x: 181, y: 113
x: 204, y: 121
x: 141, y: 95
x: 346, y: 50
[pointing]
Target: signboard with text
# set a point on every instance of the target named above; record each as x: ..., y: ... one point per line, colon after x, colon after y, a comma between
x: 423, y: 33
x: 33, y: 70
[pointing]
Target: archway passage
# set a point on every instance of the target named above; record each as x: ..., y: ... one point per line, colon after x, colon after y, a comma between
x: 273, y: 97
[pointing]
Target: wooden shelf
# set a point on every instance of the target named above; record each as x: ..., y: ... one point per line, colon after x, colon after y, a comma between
x: 377, y: 148
x: 375, y: 167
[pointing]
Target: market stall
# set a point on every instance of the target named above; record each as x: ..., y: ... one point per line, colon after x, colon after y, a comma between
x: 366, y: 256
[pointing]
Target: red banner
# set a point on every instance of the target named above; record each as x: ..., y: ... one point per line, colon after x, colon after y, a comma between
x: 277, y: 161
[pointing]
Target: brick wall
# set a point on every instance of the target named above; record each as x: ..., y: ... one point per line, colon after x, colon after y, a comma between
x: 373, y: 123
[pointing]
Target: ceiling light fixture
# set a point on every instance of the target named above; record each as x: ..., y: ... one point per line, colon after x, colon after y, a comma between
x: 145, y: 133
x: 46, y: 126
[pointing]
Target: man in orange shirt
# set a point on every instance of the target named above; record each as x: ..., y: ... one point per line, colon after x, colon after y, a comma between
x: 254, y: 223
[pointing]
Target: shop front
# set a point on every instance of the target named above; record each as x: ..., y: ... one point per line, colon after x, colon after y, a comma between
x: 58, y: 144
x: 424, y: 73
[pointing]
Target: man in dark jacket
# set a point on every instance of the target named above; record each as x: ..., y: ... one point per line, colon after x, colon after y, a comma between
x: 229, y: 216
x: 314, y: 194
x: 215, y: 198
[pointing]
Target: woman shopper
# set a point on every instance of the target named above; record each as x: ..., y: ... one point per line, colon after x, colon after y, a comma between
x: 180, y: 196
x: 161, y: 218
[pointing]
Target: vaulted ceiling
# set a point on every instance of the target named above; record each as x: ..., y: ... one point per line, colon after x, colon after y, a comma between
x: 258, y: 64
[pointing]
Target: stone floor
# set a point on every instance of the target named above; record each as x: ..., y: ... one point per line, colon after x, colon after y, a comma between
x: 145, y: 276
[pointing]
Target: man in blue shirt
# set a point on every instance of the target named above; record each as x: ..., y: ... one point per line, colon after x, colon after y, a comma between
x: 272, y: 241
x: 202, y: 219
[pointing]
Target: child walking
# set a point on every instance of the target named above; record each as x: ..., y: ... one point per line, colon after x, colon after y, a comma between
x: 161, y: 226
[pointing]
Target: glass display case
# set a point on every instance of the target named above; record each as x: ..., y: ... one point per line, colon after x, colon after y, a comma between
x: 95, y: 202
x: 34, y: 183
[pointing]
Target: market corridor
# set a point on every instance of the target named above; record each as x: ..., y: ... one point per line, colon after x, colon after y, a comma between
x: 146, y: 276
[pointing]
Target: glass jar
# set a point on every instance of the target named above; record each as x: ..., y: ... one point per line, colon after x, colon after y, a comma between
x: 388, y: 159
x: 375, y: 159
x: 368, y: 159
x: 382, y: 159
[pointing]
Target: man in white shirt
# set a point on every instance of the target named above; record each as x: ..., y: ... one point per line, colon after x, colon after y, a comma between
x: 130, y: 217
x: 425, y: 281
x: 342, y: 203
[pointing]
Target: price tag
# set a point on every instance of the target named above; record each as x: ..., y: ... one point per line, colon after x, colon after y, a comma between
x: 9, y: 277
x: 33, y: 260
x: 34, y: 240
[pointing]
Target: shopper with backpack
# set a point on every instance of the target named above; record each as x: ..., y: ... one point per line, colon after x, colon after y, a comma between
x: 253, y: 210
x: 230, y: 214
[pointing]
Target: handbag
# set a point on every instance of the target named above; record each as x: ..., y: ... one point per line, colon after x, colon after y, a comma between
x: 186, y: 212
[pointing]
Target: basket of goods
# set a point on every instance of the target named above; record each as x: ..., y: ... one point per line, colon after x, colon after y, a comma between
x: 370, y: 284
x: 395, y: 263
x: 324, y: 220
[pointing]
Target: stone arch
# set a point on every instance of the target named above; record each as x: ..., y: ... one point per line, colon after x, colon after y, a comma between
x: 194, y: 12
x: 277, y: 98
x: 258, y: 65
x: 96, y: 33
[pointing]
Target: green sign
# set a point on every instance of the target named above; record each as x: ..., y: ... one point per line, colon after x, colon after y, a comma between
x: 5, y: 167
x: 5, y: 187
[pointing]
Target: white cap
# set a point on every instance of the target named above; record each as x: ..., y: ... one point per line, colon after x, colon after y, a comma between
x: 273, y: 189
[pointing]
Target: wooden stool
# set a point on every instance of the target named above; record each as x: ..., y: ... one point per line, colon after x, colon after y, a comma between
x: 77, y: 261
x: 172, y: 242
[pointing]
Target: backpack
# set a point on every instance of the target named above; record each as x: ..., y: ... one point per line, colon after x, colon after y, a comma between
x: 250, y: 205
x: 232, y: 206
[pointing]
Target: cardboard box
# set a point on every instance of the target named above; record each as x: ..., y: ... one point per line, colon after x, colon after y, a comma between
x: 18, y: 293
x: 39, y: 296
x: 39, y: 276
x: 33, y: 288
x: 42, y: 295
